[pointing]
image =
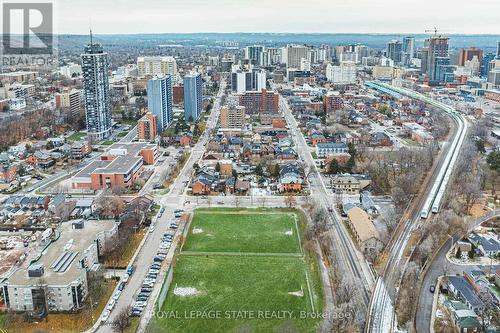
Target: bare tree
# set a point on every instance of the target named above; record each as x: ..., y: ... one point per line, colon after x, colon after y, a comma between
x: 110, y: 206
x: 290, y: 201
x: 122, y: 321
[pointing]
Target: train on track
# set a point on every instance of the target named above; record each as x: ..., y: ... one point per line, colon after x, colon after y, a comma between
x: 435, y: 197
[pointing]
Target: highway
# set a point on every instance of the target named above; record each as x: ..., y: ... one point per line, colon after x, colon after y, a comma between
x: 381, y: 317
x: 351, y: 260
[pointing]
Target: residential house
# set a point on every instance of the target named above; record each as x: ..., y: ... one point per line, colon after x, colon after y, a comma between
x: 8, y: 172
x: 291, y: 178
x: 316, y: 138
x: 463, y: 318
x: 183, y: 140
x: 460, y: 287
x: 58, y: 206
x: 226, y: 168
x: 487, y: 244
x: 236, y: 186
x: 286, y: 154
x: 203, y: 183
x: 41, y: 159
x: 380, y: 139
x: 137, y: 212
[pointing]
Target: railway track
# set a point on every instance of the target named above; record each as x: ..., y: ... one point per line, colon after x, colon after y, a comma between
x: 381, y: 316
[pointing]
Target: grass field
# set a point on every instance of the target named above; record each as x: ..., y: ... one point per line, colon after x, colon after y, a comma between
x: 77, y: 136
x: 232, y: 231
x: 247, y: 275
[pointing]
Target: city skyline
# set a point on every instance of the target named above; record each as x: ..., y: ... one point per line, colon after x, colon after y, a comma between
x: 294, y: 17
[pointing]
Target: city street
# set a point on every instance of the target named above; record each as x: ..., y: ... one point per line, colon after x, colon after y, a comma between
x: 173, y: 200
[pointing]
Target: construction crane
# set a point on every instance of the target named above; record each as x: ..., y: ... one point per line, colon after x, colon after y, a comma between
x: 435, y: 30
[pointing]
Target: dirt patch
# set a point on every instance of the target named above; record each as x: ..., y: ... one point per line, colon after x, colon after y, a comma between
x: 185, y: 291
x: 299, y: 293
x: 197, y: 231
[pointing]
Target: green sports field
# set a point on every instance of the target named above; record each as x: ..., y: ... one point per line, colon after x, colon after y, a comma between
x: 243, y: 231
x: 240, y: 280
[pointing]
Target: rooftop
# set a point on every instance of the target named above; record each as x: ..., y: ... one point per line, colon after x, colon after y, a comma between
x: 76, y: 241
x: 362, y: 223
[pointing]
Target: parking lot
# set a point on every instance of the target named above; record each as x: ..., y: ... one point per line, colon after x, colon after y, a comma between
x: 144, y: 278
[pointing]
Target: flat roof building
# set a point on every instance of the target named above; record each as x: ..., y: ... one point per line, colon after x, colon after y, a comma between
x: 121, y: 165
x: 232, y: 116
x: 57, y: 279
x: 147, y: 128
x: 262, y: 101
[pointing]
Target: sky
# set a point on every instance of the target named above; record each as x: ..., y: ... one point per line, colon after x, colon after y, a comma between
x: 313, y: 16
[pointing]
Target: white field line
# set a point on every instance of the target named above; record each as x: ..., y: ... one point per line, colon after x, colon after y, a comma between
x: 309, y: 291
x: 298, y: 234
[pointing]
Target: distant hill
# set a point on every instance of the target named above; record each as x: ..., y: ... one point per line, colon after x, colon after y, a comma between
x: 487, y: 42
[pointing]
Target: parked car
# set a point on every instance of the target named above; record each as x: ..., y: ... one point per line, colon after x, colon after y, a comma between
x: 117, y: 295
x: 121, y: 286
x: 158, y: 258
x: 105, y: 316
x: 111, y: 305
x: 135, y: 312
x: 125, y: 278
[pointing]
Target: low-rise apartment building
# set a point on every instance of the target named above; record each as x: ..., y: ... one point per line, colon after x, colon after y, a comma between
x: 324, y: 150
x: 349, y: 184
x: 57, y: 279
x: 365, y: 233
